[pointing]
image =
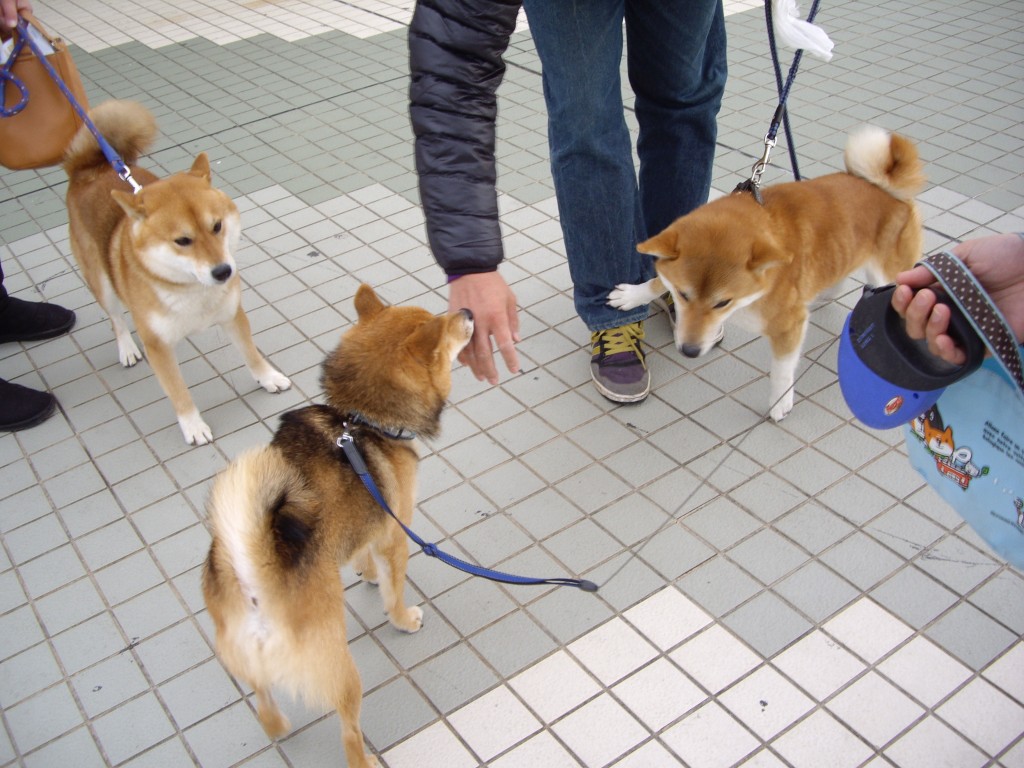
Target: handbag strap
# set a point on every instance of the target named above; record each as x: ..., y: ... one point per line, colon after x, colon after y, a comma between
x: 978, y: 307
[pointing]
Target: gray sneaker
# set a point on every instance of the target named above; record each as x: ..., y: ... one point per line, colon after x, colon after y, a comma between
x: 618, y: 365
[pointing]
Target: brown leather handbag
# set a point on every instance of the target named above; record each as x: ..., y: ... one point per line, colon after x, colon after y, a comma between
x: 36, y: 135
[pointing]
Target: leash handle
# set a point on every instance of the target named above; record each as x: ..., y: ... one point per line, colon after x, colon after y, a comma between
x: 984, y: 316
x: 109, y: 152
x: 355, y: 459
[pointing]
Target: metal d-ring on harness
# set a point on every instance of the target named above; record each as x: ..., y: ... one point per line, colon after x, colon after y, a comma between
x: 781, y: 116
x: 355, y: 459
x: 6, y: 74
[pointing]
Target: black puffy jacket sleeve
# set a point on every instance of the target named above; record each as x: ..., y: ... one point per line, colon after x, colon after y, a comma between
x: 455, y: 57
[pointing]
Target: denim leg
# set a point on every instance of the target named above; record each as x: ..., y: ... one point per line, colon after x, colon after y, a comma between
x: 677, y: 69
x: 678, y: 81
x: 580, y: 48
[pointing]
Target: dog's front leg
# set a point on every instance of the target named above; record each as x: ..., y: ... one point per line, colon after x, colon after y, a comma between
x: 165, y: 366
x: 629, y: 296
x: 240, y: 333
x: 391, y: 555
x: 786, y: 350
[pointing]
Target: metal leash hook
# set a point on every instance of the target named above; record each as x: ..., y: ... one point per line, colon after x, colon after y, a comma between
x: 759, y: 167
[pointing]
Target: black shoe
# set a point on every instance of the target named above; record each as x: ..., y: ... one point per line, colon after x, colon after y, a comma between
x: 22, y: 320
x: 21, y: 407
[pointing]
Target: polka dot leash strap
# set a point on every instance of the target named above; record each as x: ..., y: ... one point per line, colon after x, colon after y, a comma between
x: 976, y: 305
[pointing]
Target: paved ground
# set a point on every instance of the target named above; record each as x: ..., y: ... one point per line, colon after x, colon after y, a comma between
x: 771, y: 595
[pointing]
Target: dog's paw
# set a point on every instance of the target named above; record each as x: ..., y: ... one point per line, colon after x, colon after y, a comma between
x: 274, y: 381
x: 409, y: 621
x: 194, y: 429
x: 275, y: 723
x: 781, y: 409
x: 128, y: 354
x: 628, y: 296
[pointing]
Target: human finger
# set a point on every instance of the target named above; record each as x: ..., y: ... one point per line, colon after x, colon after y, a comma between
x: 918, y: 312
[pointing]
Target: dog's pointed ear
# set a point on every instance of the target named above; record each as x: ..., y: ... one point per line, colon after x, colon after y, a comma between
x: 134, y: 206
x: 766, y: 254
x: 664, y: 245
x: 367, y: 302
x: 425, y: 342
x: 201, y: 166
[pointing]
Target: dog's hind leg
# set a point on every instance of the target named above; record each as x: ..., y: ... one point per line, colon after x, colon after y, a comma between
x: 274, y: 722
x: 240, y: 333
x: 348, y: 698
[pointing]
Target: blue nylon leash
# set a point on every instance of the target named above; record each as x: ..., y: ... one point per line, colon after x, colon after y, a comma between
x: 355, y: 459
x: 7, y: 74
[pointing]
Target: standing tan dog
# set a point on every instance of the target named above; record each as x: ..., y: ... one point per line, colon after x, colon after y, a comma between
x: 768, y: 262
x: 284, y: 516
x: 165, y: 253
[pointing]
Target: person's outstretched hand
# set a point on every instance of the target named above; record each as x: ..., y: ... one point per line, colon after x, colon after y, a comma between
x: 493, y: 305
x: 997, y: 261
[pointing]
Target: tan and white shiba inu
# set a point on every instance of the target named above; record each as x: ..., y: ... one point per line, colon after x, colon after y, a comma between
x: 286, y: 515
x: 772, y: 260
x: 165, y: 253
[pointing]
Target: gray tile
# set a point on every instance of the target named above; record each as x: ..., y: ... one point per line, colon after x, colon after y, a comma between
x: 75, y: 748
x: 970, y: 636
x: 816, y: 591
x: 43, y: 717
x: 1002, y: 597
x: 767, y: 624
x: 718, y: 585
x: 512, y: 643
x: 814, y: 527
x: 453, y: 678
x: 391, y: 713
x: 861, y: 560
x: 767, y: 555
x: 227, y: 737
x: 474, y: 604
x: 914, y: 597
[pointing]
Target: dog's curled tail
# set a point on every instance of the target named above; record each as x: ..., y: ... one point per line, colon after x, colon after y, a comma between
x: 127, y: 126
x: 258, y: 510
x: 887, y: 160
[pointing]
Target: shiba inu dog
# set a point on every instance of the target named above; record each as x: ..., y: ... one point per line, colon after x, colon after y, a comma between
x: 771, y: 260
x: 165, y: 253
x: 285, y: 516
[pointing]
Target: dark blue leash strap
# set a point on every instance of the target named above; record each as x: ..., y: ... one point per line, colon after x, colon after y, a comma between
x: 781, y: 116
x: 108, y: 151
x: 355, y: 459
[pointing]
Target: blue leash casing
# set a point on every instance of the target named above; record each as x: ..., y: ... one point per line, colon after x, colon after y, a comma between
x: 887, y: 378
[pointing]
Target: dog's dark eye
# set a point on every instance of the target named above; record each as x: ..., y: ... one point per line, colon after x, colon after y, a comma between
x: 217, y: 228
x: 684, y: 296
x: 723, y: 304
x: 184, y: 242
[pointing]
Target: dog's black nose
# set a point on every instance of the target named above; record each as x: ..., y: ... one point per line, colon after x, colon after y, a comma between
x: 468, y: 314
x: 690, y: 350
x: 221, y: 272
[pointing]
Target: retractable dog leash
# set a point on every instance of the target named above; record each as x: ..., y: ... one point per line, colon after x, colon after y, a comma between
x: 24, y: 38
x: 355, y: 459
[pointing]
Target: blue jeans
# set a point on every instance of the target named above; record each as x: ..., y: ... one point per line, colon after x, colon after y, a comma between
x: 677, y: 69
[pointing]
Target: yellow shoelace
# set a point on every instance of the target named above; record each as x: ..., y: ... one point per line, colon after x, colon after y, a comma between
x: 625, y: 338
